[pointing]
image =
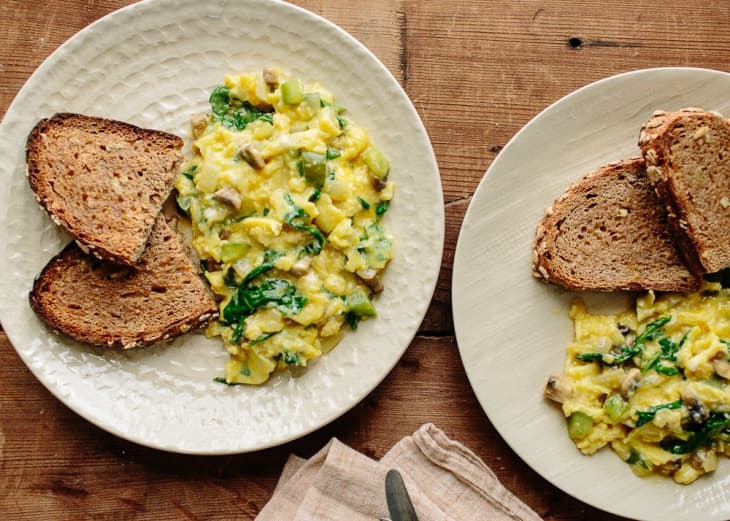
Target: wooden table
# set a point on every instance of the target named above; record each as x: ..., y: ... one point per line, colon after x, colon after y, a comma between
x: 476, y: 71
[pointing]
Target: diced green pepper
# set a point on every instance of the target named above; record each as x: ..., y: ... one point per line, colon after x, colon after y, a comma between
x: 233, y: 250
x: 579, y: 425
x: 359, y: 304
x: 292, y: 92
x: 615, y: 407
x: 314, y: 168
x: 376, y: 162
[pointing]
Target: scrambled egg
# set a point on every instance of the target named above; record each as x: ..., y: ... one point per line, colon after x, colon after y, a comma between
x: 285, y: 195
x: 652, y: 383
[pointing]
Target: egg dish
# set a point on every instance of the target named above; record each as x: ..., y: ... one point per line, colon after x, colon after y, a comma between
x: 652, y: 382
x: 286, y: 196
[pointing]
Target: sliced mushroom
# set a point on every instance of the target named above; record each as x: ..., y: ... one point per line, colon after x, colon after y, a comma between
x: 378, y: 183
x: 229, y: 196
x: 301, y: 266
x: 704, y: 459
x: 721, y: 365
x: 198, y: 124
x: 623, y: 329
x: 629, y: 383
x: 271, y: 78
x: 698, y: 413
x: 371, y: 279
x: 558, y: 389
x: 252, y: 156
x: 670, y: 467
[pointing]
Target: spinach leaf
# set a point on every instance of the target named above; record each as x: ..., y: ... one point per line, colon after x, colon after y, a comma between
x: 381, y: 208
x: 220, y: 101
x: 222, y: 380
x: 648, y: 415
x: 315, y: 195
x: 233, y: 112
x: 247, y: 299
x: 651, y: 331
x: 352, y: 319
x: 262, y: 337
x: 293, y: 219
x: 714, y: 425
x: 626, y: 353
x: 278, y: 293
x: 292, y: 358
x: 190, y: 172
x: 668, y: 352
x: 636, y: 459
x: 230, y: 278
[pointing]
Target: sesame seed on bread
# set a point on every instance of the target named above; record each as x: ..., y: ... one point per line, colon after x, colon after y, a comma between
x: 609, y: 232
x: 104, y: 181
x: 687, y: 153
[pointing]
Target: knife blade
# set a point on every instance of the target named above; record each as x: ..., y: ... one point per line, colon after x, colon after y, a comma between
x: 396, y: 495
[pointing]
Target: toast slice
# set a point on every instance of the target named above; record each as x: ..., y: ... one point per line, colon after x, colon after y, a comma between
x: 609, y: 232
x: 104, y: 181
x: 687, y: 154
x: 104, y: 304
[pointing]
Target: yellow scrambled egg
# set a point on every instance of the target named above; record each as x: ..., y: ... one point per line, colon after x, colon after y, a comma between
x: 652, y: 382
x: 286, y: 197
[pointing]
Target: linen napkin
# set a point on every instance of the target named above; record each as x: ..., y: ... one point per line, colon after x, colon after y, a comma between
x: 446, y: 481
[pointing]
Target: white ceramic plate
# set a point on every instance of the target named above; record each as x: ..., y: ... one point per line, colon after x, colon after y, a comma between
x: 512, y: 330
x: 154, y: 64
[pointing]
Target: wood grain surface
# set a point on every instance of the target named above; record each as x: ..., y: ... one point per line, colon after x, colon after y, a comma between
x: 477, y: 71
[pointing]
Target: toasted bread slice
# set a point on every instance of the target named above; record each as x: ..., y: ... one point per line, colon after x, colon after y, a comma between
x: 609, y: 232
x: 100, y: 303
x: 104, y: 181
x: 687, y: 154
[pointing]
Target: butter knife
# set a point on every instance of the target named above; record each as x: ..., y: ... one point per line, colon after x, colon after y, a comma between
x: 396, y: 495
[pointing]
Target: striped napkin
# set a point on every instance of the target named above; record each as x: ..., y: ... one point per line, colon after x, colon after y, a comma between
x: 446, y: 481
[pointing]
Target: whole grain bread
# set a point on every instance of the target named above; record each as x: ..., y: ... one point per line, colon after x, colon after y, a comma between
x: 100, y: 303
x: 687, y: 154
x: 104, y: 181
x: 609, y: 232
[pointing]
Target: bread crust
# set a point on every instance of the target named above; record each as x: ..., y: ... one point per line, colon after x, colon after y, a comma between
x: 608, y: 232
x: 117, y: 306
x: 102, y: 180
x: 661, y: 140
